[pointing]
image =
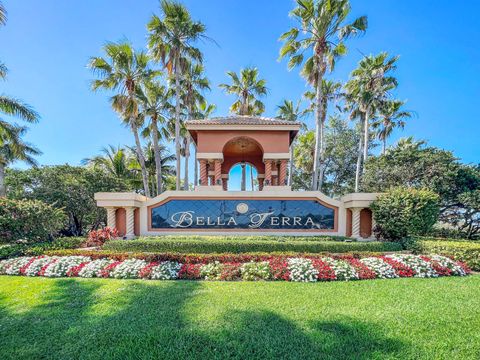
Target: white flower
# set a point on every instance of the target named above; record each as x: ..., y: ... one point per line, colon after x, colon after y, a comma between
x: 382, y: 269
x: 450, y: 264
x: 60, y: 266
x: 255, y: 271
x: 302, y: 270
x: 420, y: 267
x: 93, y: 268
x: 166, y: 270
x: 211, y: 271
x: 343, y: 270
x: 37, y: 265
x: 128, y: 269
x: 13, y: 268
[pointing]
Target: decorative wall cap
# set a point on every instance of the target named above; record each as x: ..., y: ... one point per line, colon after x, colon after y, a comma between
x: 210, y: 156
x: 276, y: 156
x: 241, y: 120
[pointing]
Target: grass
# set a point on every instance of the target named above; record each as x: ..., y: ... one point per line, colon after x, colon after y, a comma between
x: 208, y: 245
x: 135, y: 319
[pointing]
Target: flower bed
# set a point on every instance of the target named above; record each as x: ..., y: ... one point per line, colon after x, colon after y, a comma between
x: 299, y: 269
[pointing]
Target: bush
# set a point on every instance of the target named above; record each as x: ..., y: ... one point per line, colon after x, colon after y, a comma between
x: 30, y: 220
x: 253, y: 271
x: 225, y: 245
x: 100, y: 236
x: 464, y: 251
x: 8, y: 251
x: 403, y: 212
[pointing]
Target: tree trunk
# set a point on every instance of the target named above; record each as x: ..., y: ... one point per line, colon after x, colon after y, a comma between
x: 318, y: 135
x: 187, y: 156
x: 158, y: 156
x: 3, y: 190
x: 290, y: 167
x: 321, y: 171
x: 359, y: 161
x: 141, y: 158
x: 365, y: 140
x: 251, y: 176
x: 177, y: 123
x: 243, y: 183
x: 195, y: 175
x: 384, y: 145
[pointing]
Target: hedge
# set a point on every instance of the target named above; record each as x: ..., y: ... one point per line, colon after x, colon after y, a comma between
x: 8, y: 251
x: 465, y: 251
x: 237, y: 246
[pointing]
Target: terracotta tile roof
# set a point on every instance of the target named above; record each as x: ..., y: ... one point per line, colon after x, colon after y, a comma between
x: 241, y: 120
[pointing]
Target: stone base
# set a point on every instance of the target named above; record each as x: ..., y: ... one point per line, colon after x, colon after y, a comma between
x: 277, y: 188
x: 209, y: 188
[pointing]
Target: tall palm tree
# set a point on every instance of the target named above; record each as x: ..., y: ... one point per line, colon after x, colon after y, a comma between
x: 153, y: 98
x: 322, y: 32
x: 287, y: 110
x: 247, y: 88
x: 3, y: 14
x: 124, y: 70
x: 194, y: 82
x: 390, y: 116
x: 203, y: 111
x: 171, y: 41
x: 331, y: 90
x: 370, y: 88
x: 13, y: 148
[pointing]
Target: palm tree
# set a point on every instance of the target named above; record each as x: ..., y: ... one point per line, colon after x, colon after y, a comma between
x: 115, y: 161
x: 322, y: 32
x: 124, y: 70
x: 203, y: 111
x: 369, y: 87
x: 153, y: 99
x: 390, y: 117
x: 330, y: 92
x: 246, y: 87
x: 3, y: 15
x: 291, y: 112
x: 171, y: 41
x: 193, y: 83
x: 13, y: 148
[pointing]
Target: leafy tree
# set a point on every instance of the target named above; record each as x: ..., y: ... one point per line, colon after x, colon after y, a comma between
x: 114, y: 161
x: 66, y: 187
x: 288, y: 111
x: 171, y: 41
x: 413, y: 164
x: 123, y: 70
x: 247, y: 88
x: 322, y: 32
x: 13, y: 148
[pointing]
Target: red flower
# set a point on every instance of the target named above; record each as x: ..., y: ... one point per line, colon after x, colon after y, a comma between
x: 145, y: 272
x: 400, y: 269
x: 325, y: 272
x: 190, y: 272
x: 74, y: 271
x: 24, y: 268
x: 279, y: 268
x: 363, y: 271
x: 106, y: 271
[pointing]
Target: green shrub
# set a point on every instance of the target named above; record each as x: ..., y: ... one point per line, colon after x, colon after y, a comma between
x: 13, y: 250
x: 465, y: 251
x: 244, y: 245
x: 401, y: 213
x: 31, y: 220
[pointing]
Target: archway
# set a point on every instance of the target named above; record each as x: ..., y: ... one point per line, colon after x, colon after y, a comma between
x: 243, y: 172
x: 243, y: 159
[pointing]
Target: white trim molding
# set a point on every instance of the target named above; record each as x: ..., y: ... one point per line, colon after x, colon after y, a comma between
x: 276, y: 156
x: 210, y: 156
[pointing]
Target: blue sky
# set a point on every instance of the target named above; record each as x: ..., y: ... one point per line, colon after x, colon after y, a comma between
x: 46, y: 45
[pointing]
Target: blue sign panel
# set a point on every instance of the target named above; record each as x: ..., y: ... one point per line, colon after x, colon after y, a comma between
x: 242, y: 214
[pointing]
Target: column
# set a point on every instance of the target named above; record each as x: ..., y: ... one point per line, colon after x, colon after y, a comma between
x: 268, y: 172
x: 203, y: 172
x: 282, y: 177
x: 225, y: 183
x: 111, y: 217
x: 260, y: 184
x: 130, y: 222
x: 356, y: 222
x: 218, y: 172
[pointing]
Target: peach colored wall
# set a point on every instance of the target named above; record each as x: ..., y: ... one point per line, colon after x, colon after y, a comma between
x: 121, y: 221
x: 271, y: 141
x: 348, y: 231
x: 136, y: 222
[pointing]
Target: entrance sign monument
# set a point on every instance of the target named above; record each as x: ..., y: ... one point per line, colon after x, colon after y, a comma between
x: 211, y: 208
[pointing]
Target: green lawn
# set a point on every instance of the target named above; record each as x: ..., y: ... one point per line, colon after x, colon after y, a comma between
x: 135, y: 319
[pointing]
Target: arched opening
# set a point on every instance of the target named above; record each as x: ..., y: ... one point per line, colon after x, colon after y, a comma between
x: 243, y: 177
x: 243, y: 167
x: 365, y: 223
